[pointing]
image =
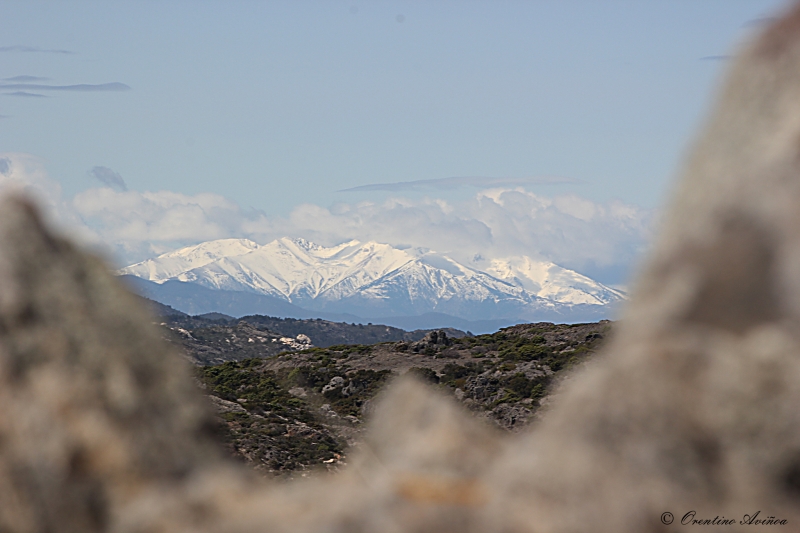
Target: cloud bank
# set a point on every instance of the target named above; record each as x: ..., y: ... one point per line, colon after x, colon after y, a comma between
x: 568, y: 230
x: 142, y: 224
x: 24, y: 174
x: 598, y: 239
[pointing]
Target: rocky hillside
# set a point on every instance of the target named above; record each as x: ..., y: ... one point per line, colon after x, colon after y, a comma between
x: 302, y: 410
x: 217, y: 342
x: 324, y: 333
x: 224, y: 334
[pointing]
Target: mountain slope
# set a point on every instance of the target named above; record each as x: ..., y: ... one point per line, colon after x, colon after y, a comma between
x: 172, y: 264
x: 299, y: 271
x: 548, y: 280
x: 195, y: 299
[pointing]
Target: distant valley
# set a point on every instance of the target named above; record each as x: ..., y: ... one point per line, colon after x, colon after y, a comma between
x: 359, y: 282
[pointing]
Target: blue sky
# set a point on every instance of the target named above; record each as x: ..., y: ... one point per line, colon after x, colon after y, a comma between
x: 276, y: 107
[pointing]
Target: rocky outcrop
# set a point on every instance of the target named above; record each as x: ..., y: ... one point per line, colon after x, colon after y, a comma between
x: 432, y: 341
x: 99, y: 417
x: 691, y: 411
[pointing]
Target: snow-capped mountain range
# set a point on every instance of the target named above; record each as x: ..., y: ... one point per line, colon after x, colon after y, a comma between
x: 371, y: 279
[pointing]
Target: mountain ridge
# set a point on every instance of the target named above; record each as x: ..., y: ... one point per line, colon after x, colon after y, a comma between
x: 369, y: 279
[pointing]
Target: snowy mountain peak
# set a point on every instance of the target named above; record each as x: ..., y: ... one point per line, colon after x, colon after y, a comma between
x: 218, y: 248
x: 299, y: 243
x: 369, y: 277
x: 172, y: 264
x: 548, y: 280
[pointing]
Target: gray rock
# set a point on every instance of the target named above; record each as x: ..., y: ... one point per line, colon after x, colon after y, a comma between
x: 97, y: 412
x: 336, y: 382
x: 298, y: 392
x: 226, y: 406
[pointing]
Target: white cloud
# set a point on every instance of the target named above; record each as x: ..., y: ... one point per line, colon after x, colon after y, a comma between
x: 574, y: 232
x: 24, y: 174
x: 568, y: 230
x: 141, y: 224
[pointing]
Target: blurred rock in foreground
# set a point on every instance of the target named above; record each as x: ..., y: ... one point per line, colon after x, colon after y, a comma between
x: 693, y: 406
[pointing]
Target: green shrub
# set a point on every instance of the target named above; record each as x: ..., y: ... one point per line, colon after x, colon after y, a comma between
x: 520, y: 385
